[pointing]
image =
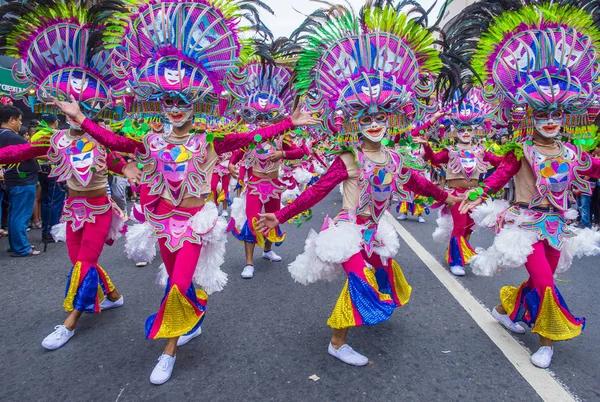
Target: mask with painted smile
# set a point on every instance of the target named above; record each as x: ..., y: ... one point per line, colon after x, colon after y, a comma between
x: 374, y: 127
x: 548, y: 124
x: 464, y: 135
x: 79, y: 85
x: 176, y: 111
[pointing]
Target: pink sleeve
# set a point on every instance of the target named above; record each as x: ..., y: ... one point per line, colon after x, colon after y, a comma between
x: 417, y: 130
x: 110, y: 140
x: 493, y: 159
x: 594, y: 170
x: 292, y: 151
x: 21, y: 153
x: 436, y: 159
x: 506, y: 170
x: 336, y: 174
x: 116, y: 163
x: 236, y: 157
x: 234, y: 141
x: 420, y: 185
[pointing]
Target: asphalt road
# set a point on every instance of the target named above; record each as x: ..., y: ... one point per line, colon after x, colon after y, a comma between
x: 263, y: 338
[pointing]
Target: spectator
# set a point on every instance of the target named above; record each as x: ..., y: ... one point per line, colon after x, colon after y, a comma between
x: 2, y: 191
x: 595, y: 201
x: 20, y: 182
x: 53, y: 192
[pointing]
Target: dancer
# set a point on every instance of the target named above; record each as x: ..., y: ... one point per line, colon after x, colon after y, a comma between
x: 545, y: 96
x: 174, y: 73
x: 264, y: 95
x: 90, y: 217
x: 465, y: 161
x: 361, y: 102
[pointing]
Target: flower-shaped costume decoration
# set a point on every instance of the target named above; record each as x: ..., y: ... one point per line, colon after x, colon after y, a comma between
x: 181, y: 49
x: 374, y: 65
x: 540, y: 57
x: 262, y: 88
x: 55, y: 41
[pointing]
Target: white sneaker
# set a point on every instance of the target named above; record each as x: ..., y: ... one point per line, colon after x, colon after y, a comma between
x: 543, y: 357
x: 141, y: 264
x: 271, y: 256
x: 225, y: 214
x: 163, y: 369
x: 421, y: 219
x: 59, y: 337
x: 108, y: 304
x: 348, y: 355
x: 186, y: 338
x: 248, y: 272
x: 401, y: 217
x: 507, y: 323
x: 457, y: 270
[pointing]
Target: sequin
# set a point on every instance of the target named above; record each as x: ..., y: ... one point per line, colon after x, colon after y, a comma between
x: 556, y: 322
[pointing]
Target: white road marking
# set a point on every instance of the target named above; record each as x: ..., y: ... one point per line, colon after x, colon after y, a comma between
x: 542, y: 381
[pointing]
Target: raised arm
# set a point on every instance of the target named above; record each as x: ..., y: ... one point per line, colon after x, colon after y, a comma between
x: 291, y: 151
x: 22, y: 152
x: 436, y: 158
x: 110, y: 140
x: 420, y: 185
x: 336, y: 174
x: 506, y: 170
x: 234, y: 141
x: 492, y: 158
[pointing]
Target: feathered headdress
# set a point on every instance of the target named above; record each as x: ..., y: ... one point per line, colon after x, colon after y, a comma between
x: 262, y: 88
x: 182, y: 48
x: 55, y: 41
x: 534, y: 55
x: 379, y: 61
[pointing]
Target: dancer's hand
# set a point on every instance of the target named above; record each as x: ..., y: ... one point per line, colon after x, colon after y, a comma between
x: 300, y: 118
x: 133, y: 173
x: 266, y: 222
x: 451, y: 200
x: 233, y: 171
x: 70, y: 108
x: 467, y: 205
x: 276, y: 156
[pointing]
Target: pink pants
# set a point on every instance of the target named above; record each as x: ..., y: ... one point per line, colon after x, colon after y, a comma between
x: 224, y: 185
x: 538, y: 302
x: 183, y: 307
x: 84, y: 247
x: 459, y: 249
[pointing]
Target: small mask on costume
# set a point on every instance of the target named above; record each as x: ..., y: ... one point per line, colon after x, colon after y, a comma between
x: 374, y: 127
x: 178, y: 228
x: 548, y: 124
x: 176, y: 111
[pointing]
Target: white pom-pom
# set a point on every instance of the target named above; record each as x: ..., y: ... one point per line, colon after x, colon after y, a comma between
x: 485, y: 262
x: 319, y: 169
x: 339, y: 242
x: 289, y: 195
x: 308, y: 268
x: 116, y: 227
x: 302, y: 176
x: 162, y: 277
x: 140, y: 244
x: 208, y: 274
x: 487, y: 213
x: 387, y: 235
x: 205, y: 220
x: 238, y: 212
x: 59, y: 232
x: 444, y: 228
x: 571, y: 214
x: 585, y: 243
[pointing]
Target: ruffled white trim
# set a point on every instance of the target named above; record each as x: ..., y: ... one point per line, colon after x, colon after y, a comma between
x: 585, y: 243
x: 571, y: 214
x: 206, y: 219
x: 116, y: 226
x: 308, y: 268
x: 339, y: 242
x: 289, y: 195
x: 444, y: 228
x: 140, y: 244
x: 386, y: 234
x: 59, y: 232
x: 486, y: 214
x: 318, y: 168
x: 238, y: 212
x: 302, y: 176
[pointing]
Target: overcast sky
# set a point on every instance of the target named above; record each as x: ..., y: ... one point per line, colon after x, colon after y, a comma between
x: 286, y: 19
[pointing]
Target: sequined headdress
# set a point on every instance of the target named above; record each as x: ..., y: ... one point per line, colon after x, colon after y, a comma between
x: 56, y: 42
x: 181, y: 48
x: 534, y: 56
x: 377, y: 62
x: 262, y: 89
